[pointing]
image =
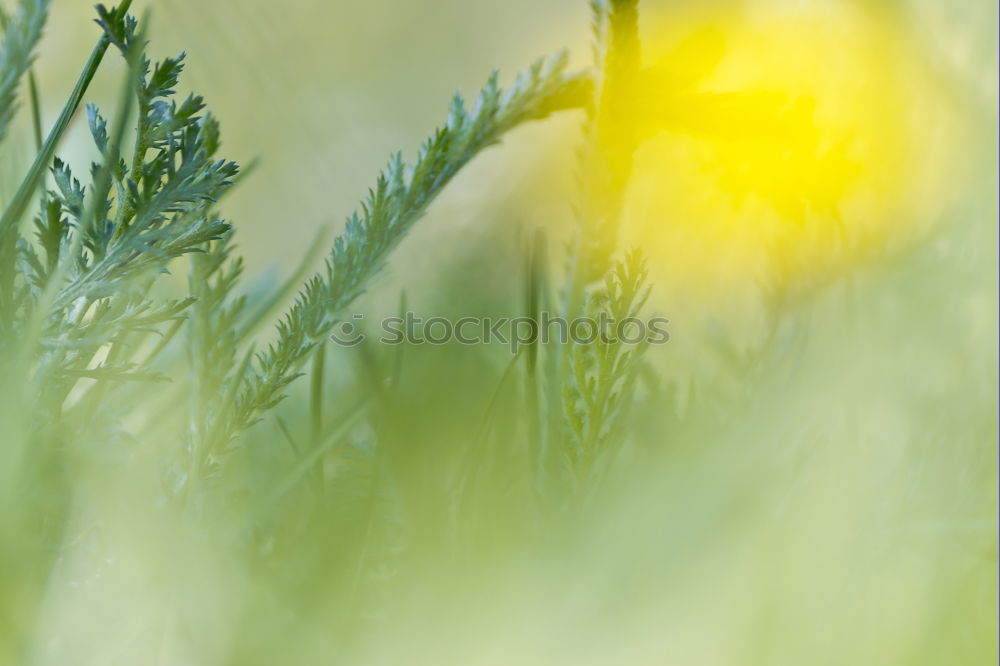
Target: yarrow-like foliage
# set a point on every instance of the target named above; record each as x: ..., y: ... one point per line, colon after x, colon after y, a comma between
x: 600, y: 379
x: 399, y: 199
x: 86, y: 283
x: 594, y: 381
x: 79, y: 294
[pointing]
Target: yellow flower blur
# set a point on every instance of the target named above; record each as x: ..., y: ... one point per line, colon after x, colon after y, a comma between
x: 782, y: 143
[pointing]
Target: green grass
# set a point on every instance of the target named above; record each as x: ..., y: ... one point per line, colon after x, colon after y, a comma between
x: 190, y: 472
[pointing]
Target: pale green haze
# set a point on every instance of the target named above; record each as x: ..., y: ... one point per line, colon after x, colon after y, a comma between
x: 193, y: 472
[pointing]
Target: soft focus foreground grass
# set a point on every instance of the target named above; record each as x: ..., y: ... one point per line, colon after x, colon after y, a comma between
x: 831, y: 500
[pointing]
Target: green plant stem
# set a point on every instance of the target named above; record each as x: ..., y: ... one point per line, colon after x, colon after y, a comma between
x: 607, y: 158
x: 36, y: 110
x: 344, y: 423
x: 316, y: 403
x: 316, y: 390
x: 22, y: 198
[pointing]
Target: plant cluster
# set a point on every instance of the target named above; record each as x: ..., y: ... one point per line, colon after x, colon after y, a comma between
x: 179, y: 387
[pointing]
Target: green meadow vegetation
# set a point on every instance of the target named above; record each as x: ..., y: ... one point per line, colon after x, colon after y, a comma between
x: 192, y: 472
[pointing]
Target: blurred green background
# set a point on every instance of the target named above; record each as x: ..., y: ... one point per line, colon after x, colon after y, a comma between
x: 830, y: 498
